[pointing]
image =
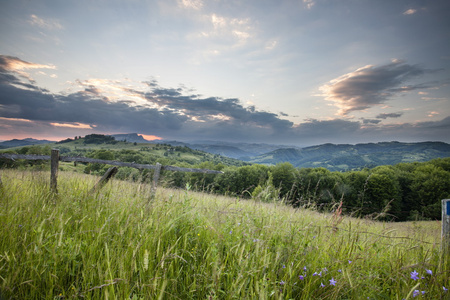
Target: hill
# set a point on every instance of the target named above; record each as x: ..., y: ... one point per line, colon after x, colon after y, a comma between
x: 107, y: 147
x: 116, y: 244
x: 344, y: 157
x: 241, y: 151
x: 23, y: 142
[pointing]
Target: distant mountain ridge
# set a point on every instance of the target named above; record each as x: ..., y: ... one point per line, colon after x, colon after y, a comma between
x: 131, y: 138
x: 23, y: 142
x: 334, y: 157
x: 344, y: 157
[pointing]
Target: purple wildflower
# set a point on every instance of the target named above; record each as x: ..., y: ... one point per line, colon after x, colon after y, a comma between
x: 282, y: 282
x: 304, y: 268
x: 315, y: 274
x: 322, y: 285
x: 414, y: 275
x: 340, y: 271
x: 430, y: 272
x: 301, y: 277
x: 349, y: 261
x: 444, y: 288
x: 332, y: 281
x: 416, y: 293
x: 284, y: 266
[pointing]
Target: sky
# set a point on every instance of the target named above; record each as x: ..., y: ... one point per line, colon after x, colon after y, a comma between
x: 301, y: 72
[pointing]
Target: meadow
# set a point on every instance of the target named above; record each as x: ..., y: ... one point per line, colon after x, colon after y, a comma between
x: 124, y: 242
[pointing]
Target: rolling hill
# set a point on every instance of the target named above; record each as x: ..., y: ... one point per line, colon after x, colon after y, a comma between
x: 344, y: 157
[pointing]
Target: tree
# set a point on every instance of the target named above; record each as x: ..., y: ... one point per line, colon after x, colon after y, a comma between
x: 283, y: 177
x: 430, y: 185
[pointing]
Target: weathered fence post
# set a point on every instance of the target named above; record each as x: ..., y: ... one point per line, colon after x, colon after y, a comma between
x: 446, y: 225
x: 54, y: 159
x: 105, y: 178
x: 156, y: 177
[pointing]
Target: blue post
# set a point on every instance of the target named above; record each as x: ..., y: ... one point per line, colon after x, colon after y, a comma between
x: 446, y: 225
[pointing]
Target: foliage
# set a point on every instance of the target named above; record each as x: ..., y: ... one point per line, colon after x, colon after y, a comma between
x: 99, y: 139
x: 118, y: 244
x: 406, y: 191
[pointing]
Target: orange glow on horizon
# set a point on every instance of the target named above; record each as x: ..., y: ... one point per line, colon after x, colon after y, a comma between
x: 73, y: 125
x: 151, y: 137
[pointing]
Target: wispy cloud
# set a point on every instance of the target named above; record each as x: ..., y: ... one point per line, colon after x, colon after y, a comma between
x: 371, y: 86
x: 13, y: 65
x: 191, y: 4
x: 309, y: 3
x: 384, y: 116
x: 410, y: 11
x: 48, y: 24
x: 74, y: 125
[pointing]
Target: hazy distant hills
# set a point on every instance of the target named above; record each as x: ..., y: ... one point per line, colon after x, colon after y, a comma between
x: 23, y: 142
x: 243, y: 151
x: 334, y: 157
x: 346, y: 157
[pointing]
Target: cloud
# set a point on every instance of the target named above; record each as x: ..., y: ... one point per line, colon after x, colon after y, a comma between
x: 114, y: 106
x: 191, y: 4
x: 371, y: 86
x: 410, y: 11
x: 73, y: 125
x: 14, y: 65
x: 169, y: 112
x: 384, y: 116
x: 370, y: 121
x: 309, y: 3
x: 49, y: 24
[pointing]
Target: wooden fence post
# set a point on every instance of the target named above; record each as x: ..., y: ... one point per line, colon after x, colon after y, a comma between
x: 106, y: 177
x: 54, y: 158
x: 156, y: 177
x: 446, y: 225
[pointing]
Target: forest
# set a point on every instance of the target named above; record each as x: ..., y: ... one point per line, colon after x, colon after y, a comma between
x: 401, y: 192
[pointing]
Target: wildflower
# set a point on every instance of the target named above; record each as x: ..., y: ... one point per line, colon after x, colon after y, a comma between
x: 322, y: 285
x: 414, y: 275
x: 284, y: 266
x: 445, y: 289
x: 416, y: 293
x: 315, y: 274
x: 301, y: 277
x: 423, y: 292
x: 282, y: 282
x: 231, y: 231
x: 430, y: 272
x: 349, y: 261
x: 304, y: 268
x: 332, y: 281
x: 325, y: 270
x: 340, y: 271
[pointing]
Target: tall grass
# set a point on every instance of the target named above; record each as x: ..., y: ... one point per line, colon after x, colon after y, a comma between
x: 125, y: 243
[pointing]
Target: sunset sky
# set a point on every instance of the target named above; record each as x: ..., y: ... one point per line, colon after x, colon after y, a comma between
x: 301, y: 72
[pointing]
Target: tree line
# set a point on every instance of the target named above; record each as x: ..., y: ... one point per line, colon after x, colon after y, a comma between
x: 406, y: 191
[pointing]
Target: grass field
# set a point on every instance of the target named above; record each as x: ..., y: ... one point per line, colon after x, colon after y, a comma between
x: 125, y: 243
